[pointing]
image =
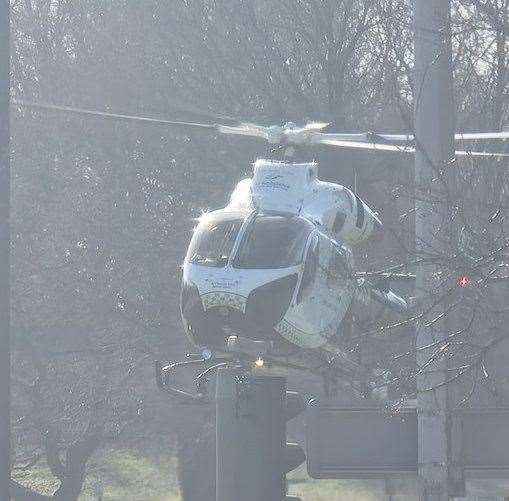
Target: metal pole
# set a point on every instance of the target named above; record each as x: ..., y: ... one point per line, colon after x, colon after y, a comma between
x: 250, y: 436
x: 433, y: 114
x: 4, y: 252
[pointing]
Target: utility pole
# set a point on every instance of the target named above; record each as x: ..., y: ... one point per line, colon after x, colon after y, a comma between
x: 434, y: 131
x: 4, y: 252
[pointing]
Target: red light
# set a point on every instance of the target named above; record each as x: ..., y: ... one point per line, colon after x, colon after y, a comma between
x: 464, y: 281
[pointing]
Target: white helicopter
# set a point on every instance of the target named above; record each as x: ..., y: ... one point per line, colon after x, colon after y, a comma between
x: 270, y: 278
x: 276, y: 262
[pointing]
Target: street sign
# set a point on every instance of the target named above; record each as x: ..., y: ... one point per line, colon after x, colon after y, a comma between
x: 484, y: 451
x: 360, y: 441
x: 363, y: 440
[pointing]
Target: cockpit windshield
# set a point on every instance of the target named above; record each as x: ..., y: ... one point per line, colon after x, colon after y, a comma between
x: 273, y: 242
x: 213, y: 240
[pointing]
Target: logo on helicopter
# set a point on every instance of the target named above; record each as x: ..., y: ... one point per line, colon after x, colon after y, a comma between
x: 224, y: 283
x: 271, y: 181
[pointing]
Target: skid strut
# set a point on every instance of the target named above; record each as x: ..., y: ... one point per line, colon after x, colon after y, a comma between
x: 249, y: 355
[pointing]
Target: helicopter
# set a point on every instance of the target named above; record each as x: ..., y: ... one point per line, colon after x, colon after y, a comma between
x: 269, y: 279
x: 275, y: 265
x: 276, y: 262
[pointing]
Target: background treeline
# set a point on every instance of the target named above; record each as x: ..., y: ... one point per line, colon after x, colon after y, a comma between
x: 102, y: 209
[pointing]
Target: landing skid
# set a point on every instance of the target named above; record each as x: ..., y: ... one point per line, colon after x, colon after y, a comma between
x: 330, y: 363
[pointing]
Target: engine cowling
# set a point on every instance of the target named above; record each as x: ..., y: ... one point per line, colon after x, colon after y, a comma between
x: 356, y: 223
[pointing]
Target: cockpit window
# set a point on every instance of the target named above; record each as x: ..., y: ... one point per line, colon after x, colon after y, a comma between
x: 213, y: 241
x: 273, y: 242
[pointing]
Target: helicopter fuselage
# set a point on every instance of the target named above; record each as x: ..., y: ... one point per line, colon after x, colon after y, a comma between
x: 275, y: 263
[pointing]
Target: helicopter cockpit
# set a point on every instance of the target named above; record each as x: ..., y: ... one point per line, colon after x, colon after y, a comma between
x: 253, y: 241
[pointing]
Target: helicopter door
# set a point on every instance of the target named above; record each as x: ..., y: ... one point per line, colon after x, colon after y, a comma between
x: 314, y: 313
x: 339, y: 285
x: 307, y: 283
x: 329, y: 291
x: 302, y: 323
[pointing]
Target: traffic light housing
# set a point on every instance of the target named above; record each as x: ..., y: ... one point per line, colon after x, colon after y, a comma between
x: 253, y: 456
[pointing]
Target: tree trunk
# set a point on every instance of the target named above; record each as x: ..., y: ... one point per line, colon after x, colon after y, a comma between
x: 75, y: 467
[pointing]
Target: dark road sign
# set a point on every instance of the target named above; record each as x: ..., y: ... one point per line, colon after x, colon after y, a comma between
x: 485, y: 443
x: 363, y: 440
x: 360, y: 442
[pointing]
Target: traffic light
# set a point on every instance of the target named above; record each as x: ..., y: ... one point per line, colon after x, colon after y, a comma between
x: 293, y: 454
x: 253, y: 456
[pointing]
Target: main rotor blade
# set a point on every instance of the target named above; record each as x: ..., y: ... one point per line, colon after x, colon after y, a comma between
x: 330, y: 140
x: 361, y: 137
x: 317, y: 126
x: 487, y: 154
x: 325, y: 139
x: 459, y: 136
x: 105, y: 114
x: 276, y: 134
x: 245, y: 129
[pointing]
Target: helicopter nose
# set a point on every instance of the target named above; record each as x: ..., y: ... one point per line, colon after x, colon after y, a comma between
x: 267, y: 305
x: 264, y: 308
